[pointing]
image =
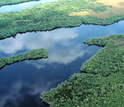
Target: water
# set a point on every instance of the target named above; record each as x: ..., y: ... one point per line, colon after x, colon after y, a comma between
x: 21, y: 6
x: 22, y: 83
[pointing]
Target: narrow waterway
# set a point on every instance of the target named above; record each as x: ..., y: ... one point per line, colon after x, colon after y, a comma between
x: 21, y: 6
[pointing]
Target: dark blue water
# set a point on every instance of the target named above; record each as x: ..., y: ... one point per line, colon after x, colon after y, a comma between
x: 22, y: 83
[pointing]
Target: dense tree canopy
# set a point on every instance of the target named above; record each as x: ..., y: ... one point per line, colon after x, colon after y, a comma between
x: 10, y: 2
x: 109, y: 59
x: 53, y: 15
x: 102, y: 82
x: 31, y: 54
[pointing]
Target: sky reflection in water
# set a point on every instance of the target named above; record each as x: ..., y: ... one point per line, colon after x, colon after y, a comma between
x: 22, y: 83
x: 21, y: 6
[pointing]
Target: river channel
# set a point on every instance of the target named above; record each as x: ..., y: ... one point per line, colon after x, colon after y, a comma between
x: 22, y: 83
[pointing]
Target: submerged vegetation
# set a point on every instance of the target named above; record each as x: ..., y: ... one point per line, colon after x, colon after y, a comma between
x: 10, y: 2
x: 102, y: 82
x: 31, y: 54
x: 53, y: 15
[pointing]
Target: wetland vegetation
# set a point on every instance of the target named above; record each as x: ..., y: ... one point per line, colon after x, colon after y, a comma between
x: 100, y: 84
x: 11, y: 2
x: 53, y: 15
x: 109, y: 59
x: 31, y: 54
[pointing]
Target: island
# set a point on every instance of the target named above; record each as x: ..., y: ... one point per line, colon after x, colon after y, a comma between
x: 11, y: 2
x: 101, y: 83
x: 31, y: 54
x: 62, y: 13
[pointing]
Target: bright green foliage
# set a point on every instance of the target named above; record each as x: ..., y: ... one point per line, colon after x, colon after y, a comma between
x: 53, y: 15
x: 31, y: 54
x: 88, y: 90
x: 107, y: 60
x: 10, y: 2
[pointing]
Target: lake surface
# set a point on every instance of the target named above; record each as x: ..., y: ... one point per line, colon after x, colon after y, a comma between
x: 22, y: 83
x: 21, y: 6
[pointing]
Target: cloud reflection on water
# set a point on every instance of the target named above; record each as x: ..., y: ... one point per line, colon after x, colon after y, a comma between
x: 19, y: 89
x: 64, y: 46
x: 60, y: 44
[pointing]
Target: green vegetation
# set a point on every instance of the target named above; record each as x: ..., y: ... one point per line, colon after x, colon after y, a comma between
x: 10, y: 2
x: 102, y: 82
x: 87, y: 90
x: 109, y: 59
x: 31, y: 54
x: 53, y: 15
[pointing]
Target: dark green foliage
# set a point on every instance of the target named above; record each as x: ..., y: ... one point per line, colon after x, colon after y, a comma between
x: 109, y: 59
x: 53, y: 15
x: 103, y: 83
x: 10, y: 2
x: 87, y: 90
x: 31, y: 54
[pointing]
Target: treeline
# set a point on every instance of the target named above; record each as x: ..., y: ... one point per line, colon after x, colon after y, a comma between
x: 107, y: 60
x: 11, y: 2
x: 31, y: 54
x: 101, y: 83
x: 87, y: 90
x: 53, y: 15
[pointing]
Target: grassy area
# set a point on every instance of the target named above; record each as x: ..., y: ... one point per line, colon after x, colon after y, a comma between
x: 116, y: 7
x: 53, y: 15
x: 101, y: 84
x: 11, y: 2
x: 31, y: 54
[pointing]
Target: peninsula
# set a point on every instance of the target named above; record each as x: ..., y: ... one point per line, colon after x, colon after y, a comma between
x: 31, y: 54
x: 62, y: 13
x: 101, y: 83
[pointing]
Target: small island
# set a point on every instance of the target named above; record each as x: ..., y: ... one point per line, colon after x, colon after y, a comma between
x: 101, y: 83
x: 31, y: 54
x: 11, y: 2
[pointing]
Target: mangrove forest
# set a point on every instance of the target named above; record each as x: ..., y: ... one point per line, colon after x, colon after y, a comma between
x: 31, y: 54
x: 101, y: 83
x: 53, y: 15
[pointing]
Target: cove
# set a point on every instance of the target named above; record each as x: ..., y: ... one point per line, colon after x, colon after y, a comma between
x: 22, y: 83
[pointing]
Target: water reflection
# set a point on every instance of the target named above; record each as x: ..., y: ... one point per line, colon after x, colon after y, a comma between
x: 60, y: 43
x: 22, y: 83
x: 20, y: 89
x: 19, y: 7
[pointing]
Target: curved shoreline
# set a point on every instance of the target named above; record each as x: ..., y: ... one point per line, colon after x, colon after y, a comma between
x: 101, y: 80
x: 48, y: 16
x: 18, y: 2
x: 31, y: 54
